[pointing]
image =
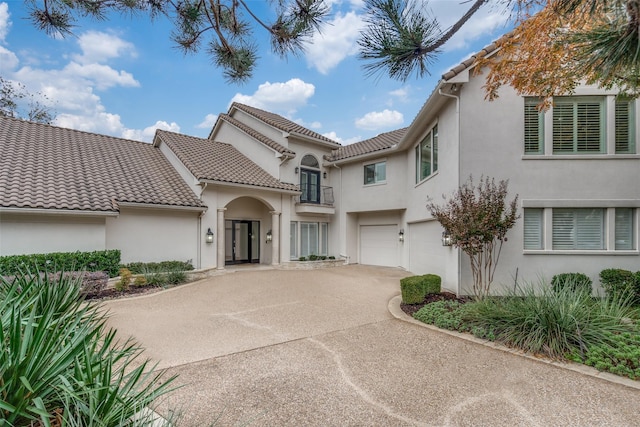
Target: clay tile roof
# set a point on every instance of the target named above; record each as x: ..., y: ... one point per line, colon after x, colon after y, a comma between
x: 49, y: 167
x: 217, y: 161
x: 377, y: 143
x: 487, y: 50
x: 257, y: 135
x: 281, y: 123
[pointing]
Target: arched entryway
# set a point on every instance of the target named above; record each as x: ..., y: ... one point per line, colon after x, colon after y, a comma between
x: 249, y: 232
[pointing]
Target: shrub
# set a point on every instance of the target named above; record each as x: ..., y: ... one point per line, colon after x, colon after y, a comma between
x: 616, y: 281
x: 125, y: 280
x: 139, y: 281
x: 621, y: 357
x: 142, y: 267
x: 108, y: 261
x: 573, y: 281
x: 555, y: 323
x: 445, y: 314
x: 91, y: 282
x: 175, y: 277
x: 313, y: 257
x: 302, y: 258
x: 332, y: 257
x: 156, y: 278
x: 412, y: 290
x: 59, y: 357
x: 431, y: 284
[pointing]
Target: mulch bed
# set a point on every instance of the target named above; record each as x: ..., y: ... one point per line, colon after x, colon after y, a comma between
x: 112, y: 293
x: 410, y: 309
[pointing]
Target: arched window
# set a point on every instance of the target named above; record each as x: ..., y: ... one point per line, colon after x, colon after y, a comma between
x: 310, y: 161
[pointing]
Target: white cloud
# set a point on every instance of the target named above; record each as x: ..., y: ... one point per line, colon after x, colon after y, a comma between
x: 8, y: 61
x: 335, y: 137
x: 208, y: 122
x: 99, y: 47
x: 380, y: 120
x: 279, y: 97
x: 401, y: 93
x: 315, y: 125
x: 5, y: 21
x: 337, y: 41
x: 147, y: 133
x: 102, y: 76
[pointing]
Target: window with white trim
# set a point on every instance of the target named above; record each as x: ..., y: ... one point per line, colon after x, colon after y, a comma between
x: 579, y: 125
x: 427, y: 155
x: 375, y: 173
x: 313, y: 240
x: 581, y: 229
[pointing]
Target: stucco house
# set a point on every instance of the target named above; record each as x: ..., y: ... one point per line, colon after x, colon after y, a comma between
x: 263, y: 189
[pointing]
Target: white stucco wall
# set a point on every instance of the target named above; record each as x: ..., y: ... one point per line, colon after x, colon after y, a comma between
x: 492, y: 145
x: 28, y: 234
x: 152, y: 235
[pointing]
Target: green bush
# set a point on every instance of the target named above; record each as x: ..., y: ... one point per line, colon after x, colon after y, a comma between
x: 175, y: 277
x: 572, y: 281
x: 616, y: 281
x: 108, y: 261
x: 412, y: 290
x: 443, y: 314
x: 125, y: 280
x: 313, y: 257
x: 431, y: 284
x: 142, y: 267
x: 620, y: 357
x: 555, y: 323
x: 59, y: 357
x: 302, y: 258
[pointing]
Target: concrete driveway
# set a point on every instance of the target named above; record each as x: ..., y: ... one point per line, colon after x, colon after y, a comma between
x: 320, y: 348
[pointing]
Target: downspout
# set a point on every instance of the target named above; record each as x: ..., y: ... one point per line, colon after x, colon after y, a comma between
x: 457, y: 98
x: 345, y: 218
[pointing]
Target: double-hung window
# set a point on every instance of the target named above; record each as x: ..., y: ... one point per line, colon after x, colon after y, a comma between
x: 625, y: 129
x: 375, y: 173
x: 581, y: 229
x: 427, y: 155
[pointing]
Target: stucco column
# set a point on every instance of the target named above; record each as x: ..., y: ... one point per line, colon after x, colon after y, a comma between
x: 220, y: 243
x: 275, y: 238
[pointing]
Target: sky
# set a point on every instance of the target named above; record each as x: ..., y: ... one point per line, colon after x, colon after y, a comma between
x: 124, y: 77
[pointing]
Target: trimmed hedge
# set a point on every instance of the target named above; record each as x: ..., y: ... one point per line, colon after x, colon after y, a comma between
x: 108, y: 261
x: 616, y: 281
x: 92, y: 282
x: 414, y: 288
x: 144, y: 267
x: 573, y: 281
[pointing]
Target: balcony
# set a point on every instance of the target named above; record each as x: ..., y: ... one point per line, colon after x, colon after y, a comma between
x: 315, y: 200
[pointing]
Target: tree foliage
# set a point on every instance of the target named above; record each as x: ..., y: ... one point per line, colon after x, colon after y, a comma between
x: 565, y: 43
x: 478, y: 219
x: 225, y: 26
x: 17, y: 102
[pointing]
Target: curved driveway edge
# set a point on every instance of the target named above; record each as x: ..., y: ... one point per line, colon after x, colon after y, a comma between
x: 396, y: 311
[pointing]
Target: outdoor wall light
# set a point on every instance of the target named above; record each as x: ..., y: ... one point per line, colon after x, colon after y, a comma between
x: 324, y: 175
x: 209, y: 236
x: 401, y: 235
x: 297, y: 169
x: 446, y: 238
x: 269, y: 236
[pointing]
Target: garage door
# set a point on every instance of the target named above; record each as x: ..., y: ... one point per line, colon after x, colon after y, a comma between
x: 379, y: 245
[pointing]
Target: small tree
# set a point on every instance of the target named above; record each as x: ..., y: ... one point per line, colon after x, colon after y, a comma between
x: 477, y: 219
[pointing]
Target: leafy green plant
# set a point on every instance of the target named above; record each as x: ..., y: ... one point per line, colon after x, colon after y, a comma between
x: 60, y: 360
x: 431, y: 283
x: 555, y: 323
x: 125, y: 280
x: 621, y: 356
x: 108, y: 261
x: 313, y: 257
x: 573, y: 281
x: 332, y: 257
x: 412, y: 290
x: 175, y: 277
x: 156, y: 278
x: 302, y: 258
x: 616, y: 281
x: 139, y: 281
x: 447, y: 314
x: 142, y: 267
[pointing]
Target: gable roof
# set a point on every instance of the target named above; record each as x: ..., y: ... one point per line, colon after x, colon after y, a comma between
x: 216, y: 161
x: 487, y: 50
x: 258, y: 136
x: 281, y: 123
x: 368, y: 146
x: 48, y: 167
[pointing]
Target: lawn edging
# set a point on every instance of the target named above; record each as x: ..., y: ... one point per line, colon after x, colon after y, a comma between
x: 396, y: 311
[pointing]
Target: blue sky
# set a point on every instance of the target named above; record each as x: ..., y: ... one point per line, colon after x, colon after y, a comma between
x: 124, y: 77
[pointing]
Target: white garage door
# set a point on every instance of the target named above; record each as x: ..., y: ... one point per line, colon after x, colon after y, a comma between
x: 379, y: 245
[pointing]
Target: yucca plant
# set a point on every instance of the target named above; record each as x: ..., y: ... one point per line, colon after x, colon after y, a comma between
x: 59, y: 361
x: 551, y: 322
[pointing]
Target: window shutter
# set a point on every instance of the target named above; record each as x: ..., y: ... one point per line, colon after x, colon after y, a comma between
x: 533, y: 228
x: 588, y: 126
x: 563, y: 229
x: 563, y: 128
x: 590, y: 226
x: 532, y: 127
x: 624, y: 229
x: 624, y: 127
